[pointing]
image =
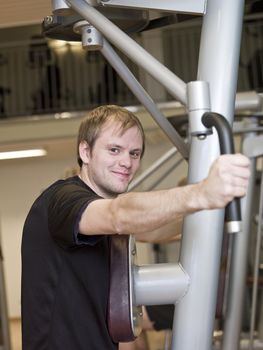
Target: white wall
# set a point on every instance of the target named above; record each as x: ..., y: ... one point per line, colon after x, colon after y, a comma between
x: 20, y: 183
x: 17, y: 12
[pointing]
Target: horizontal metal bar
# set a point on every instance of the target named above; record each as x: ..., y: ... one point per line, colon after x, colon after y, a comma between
x: 160, y: 284
x: 248, y: 100
x: 253, y: 146
x: 186, y: 6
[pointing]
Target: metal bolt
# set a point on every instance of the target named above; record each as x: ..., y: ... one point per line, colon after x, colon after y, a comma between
x: 48, y: 19
x: 201, y: 137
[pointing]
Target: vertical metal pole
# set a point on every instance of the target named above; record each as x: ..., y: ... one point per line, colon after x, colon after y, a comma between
x: 5, y: 341
x: 203, y: 231
x: 256, y: 268
x: 4, y: 326
x: 238, y: 267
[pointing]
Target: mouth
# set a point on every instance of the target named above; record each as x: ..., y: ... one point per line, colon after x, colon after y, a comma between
x: 122, y: 175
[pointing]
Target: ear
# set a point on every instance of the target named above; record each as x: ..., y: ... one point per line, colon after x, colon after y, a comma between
x: 84, y: 152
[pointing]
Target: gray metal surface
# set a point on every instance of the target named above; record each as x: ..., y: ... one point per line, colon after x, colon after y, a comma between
x: 198, y: 97
x: 129, y: 21
x: 202, y: 237
x: 4, y: 325
x: 135, y: 309
x: 238, y: 267
x: 256, y: 267
x: 191, y: 6
x: 5, y: 340
x: 160, y: 284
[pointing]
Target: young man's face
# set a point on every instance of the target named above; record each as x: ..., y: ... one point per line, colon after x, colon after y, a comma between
x: 114, y: 160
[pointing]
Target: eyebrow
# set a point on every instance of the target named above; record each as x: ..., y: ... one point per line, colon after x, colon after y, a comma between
x: 119, y: 146
x: 136, y: 150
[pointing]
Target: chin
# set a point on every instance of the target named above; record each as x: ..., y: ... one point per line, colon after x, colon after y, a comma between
x: 114, y: 191
x: 121, y: 189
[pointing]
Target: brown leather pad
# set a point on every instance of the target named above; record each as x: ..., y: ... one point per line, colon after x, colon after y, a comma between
x: 119, y: 308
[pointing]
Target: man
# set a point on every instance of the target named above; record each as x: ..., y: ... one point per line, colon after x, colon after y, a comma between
x: 65, y: 246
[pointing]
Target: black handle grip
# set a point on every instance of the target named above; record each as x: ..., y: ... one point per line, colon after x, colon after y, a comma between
x: 226, y: 142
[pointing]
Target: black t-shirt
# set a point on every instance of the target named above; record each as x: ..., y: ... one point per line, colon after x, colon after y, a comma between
x: 65, y: 275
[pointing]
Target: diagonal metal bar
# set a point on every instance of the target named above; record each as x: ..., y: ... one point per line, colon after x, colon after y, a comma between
x: 133, y: 84
x: 174, y: 85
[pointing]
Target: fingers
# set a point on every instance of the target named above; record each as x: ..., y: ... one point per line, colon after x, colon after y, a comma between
x: 236, y: 172
x: 228, y: 178
x: 237, y: 159
x: 237, y: 163
x: 237, y: 191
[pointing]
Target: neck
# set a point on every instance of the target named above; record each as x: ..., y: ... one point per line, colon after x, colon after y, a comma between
x: 83, y: 175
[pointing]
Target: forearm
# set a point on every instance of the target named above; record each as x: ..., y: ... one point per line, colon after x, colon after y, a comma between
x: 139, y: 213
x: 168, y: 233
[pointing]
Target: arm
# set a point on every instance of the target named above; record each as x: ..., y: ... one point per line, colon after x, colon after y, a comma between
x: 168, y: 233
x: 140, y: 212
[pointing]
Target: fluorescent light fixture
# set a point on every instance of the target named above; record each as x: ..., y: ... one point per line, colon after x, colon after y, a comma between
x: 23, y: 154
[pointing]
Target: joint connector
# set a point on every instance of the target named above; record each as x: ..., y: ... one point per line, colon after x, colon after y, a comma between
x: 61, y: 8
x: 91, y: 37
x: 198, y: 103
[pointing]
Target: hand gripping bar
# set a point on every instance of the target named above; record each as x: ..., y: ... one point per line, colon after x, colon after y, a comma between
x: 226, y: 143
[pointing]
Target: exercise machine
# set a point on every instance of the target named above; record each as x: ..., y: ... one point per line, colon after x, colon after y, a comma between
x: 192, y: 283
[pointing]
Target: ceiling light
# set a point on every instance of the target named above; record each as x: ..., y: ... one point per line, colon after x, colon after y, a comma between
x: 23, y: 154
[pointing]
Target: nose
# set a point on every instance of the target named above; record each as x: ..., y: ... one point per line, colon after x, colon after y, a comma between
x: 125, y: 160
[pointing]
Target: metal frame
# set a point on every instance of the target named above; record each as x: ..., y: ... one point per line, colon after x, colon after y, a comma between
x: 238, y: 266
x: 5, y: 340
x: 190, y: 6
x: 215, y: 90
x: 140, y: 56
x: 201, y: 246
x: 253, y: 148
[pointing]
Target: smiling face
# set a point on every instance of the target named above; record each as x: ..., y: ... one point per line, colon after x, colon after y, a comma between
x: 113, y: 161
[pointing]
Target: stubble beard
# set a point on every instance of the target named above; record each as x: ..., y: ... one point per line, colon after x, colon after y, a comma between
x: 113, y: 189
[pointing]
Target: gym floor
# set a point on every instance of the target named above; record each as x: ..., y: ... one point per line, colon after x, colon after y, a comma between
x: 156, y: 339
x: 15, y: 334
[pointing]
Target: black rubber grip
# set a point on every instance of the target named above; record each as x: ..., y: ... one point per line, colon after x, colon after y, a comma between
x: 226, y: 142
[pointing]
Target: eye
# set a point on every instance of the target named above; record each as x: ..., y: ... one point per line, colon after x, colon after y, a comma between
x: 135, y: 154
x: 114, y: 150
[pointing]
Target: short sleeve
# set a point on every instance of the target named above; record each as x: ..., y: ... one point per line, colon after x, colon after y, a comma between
x: 66, y: 205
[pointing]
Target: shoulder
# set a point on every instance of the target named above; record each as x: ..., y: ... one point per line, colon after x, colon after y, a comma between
x: 62, y: 189
x: 72, y: 186
x: 70, y: 194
